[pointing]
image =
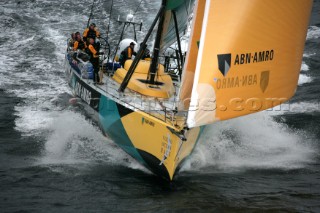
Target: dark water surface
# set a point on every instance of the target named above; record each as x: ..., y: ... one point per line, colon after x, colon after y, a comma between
x: 53, y: 158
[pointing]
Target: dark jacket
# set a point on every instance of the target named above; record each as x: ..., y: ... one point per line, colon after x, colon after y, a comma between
x: 88, y: 33
x: 81, y: 45
x: 126, y: 54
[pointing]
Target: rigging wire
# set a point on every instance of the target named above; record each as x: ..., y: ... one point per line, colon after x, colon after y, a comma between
x: 138, y: 7
x: 91, y: 13
x: 111, y: 9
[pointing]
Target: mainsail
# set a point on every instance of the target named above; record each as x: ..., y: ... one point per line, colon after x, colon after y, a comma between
x: 182, y: 10
x: 249, y: 57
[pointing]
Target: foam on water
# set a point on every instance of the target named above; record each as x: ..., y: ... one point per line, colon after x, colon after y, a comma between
x: 250, y: 142
x: 308, y: 55
x: 295, y: 108
x: 303, y: 107
x: 304, y: 66
x: 34, y: 78
x: 6, y: 62
x: 75, y: 140
x: 39, y: 80
x: 22, y: 43
x: 303, y: 79
x: 38, y: 105
x: 59, y: 39
x: 313, y: 33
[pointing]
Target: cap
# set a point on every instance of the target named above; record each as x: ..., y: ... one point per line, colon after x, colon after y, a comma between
x: 93, y: 24
x: 132, y: 43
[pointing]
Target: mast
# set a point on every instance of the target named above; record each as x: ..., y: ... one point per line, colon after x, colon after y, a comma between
x: 179, y: 43
x: 156, y: 49
x: 140, y: 53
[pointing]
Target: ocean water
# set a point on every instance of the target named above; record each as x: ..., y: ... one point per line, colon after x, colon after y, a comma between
x: 53, y: 158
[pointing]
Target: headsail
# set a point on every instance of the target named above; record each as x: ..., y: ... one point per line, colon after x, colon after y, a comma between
x: 182, y: 9
x: 192, y: 53
x: 249, y: 57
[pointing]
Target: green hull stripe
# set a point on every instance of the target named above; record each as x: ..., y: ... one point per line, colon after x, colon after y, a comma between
x: 111, y: 123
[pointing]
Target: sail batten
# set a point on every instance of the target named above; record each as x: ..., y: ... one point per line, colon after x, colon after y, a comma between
x: 249, y: 57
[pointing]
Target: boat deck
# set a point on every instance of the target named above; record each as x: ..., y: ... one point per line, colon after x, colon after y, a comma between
x: 164, y: 109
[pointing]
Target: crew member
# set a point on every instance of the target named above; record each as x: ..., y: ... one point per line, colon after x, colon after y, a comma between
x: 91, y: 32
x: 72, y: 40
x: 79, y: 43
x: 127, y: 54
x: 146, y: 54
x: 94, y: 59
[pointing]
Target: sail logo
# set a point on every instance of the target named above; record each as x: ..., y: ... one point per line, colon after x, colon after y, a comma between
x: 244, y: 81
x: 264, y: 80
x: 256, y: 57
x: 148, y: 122
x: 236, y: 82
x: 224, y: 61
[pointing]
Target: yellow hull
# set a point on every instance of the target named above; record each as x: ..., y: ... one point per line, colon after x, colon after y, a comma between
x: 148, y: 137
x: 159, y: 144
